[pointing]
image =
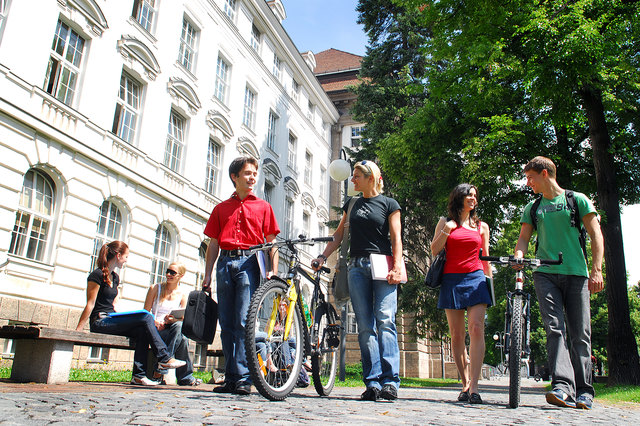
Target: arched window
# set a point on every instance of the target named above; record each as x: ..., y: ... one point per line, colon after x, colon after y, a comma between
x: 108, y: 228
x: 162, y: 253
x: 32, y: 229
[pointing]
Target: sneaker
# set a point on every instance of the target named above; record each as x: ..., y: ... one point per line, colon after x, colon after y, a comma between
x: 143, y: 381
x: 474, y: 398
x: 226, y: 388
x: 560, y: 398
x: 370, y: 394
x: 389, y: 392
x: 243, y: 388
x: 463, y: 396
x: 584, y: 402
x: 172, y: 363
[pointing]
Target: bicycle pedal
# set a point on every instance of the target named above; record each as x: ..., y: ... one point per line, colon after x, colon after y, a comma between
x: 332, y: 335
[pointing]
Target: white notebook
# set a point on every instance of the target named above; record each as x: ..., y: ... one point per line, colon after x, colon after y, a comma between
x: 381, y: 265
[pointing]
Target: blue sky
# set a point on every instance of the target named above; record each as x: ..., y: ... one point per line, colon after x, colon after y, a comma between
x: 319, y: 25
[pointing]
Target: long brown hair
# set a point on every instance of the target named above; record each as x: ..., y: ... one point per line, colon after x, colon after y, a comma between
x: 108, y: 252
x: 456, y: 203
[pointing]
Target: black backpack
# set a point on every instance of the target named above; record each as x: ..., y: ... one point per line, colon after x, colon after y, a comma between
x: 576, y: 219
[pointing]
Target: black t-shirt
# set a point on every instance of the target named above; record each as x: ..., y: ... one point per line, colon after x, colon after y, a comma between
x: 106, y: 294
x: 369, y: 225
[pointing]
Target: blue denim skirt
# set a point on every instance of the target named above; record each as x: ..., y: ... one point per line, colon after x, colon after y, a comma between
x: 459, y: 291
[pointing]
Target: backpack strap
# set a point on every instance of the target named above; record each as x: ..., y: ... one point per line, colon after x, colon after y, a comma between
x: 534, y: 212
x: 576, y: 220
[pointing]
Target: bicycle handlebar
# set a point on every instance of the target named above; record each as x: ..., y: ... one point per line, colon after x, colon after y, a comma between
x: 512, y: 260
x: 301, y: 240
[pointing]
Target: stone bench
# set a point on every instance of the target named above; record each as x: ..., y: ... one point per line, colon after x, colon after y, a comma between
x: 44, y: 354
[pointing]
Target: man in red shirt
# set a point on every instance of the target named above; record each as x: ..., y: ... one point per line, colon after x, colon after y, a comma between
x: 236, y: 224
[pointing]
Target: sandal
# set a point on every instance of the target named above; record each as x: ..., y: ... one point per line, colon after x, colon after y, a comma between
x: 474, y: 398
x: 194, y: 382
x: 464, y: 396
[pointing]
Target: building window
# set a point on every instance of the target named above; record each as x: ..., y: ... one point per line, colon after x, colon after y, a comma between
x: 175, y: 142
x: 255, y: 38
x: 222, y: 80
x: 162, y: 252
x: 352, y: 325
x: 108, y: 228
x: 308, y: 165
x: 4, y: 10
x: 200, y: 355
x: 306, y: 226
x: 187, y: 54
x: 144, y: 11
x: 125, y: 119
x: 311, y: 111
x: 230, y: 8
x: 268, y: 192
x: 213, y: 167
x: 9, y: 348
x: 288, y: 218
x: 323, y: 182
x: 295, y: 91
x: 31, y: 231
x: 249, y: 116
x: 64, y: 64
x: 291, y: 158
x: 277, y: 67
x: 356, y: 136
x: 322, y: 232
x: 98, y: 354
x: 272, y: 131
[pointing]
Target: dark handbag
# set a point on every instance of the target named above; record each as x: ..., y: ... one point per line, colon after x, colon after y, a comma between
x: 200, y: 317
x: 340, y: 283
x: 434, y: 274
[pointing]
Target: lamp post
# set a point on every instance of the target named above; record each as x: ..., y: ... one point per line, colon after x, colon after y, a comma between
x: 499, y: 339
x: 340, y: 170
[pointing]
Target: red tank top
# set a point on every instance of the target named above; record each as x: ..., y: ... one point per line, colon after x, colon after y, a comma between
x: 463, y: 247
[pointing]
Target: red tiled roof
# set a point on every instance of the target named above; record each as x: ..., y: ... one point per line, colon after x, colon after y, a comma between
x: 333, y: 60
x: 331, y: 86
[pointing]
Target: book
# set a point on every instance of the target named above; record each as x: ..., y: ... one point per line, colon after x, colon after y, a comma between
x: 381, y: 265
x: 128, y: 313
x: 177, y: 313
x: 491, y: 290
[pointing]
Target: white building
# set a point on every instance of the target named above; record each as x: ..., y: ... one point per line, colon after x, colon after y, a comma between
x: 118, y: 120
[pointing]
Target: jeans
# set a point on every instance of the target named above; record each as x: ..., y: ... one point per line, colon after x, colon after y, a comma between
x: 375, y: 304
x: 143, y: 329
x: 565, y: 309
x: 237, y: 279
x: 178, y: 347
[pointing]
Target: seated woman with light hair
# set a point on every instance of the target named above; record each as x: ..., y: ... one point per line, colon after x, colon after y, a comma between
x: 161, y: 299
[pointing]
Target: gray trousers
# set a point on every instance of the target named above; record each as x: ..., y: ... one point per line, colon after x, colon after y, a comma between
x: 565, y: 309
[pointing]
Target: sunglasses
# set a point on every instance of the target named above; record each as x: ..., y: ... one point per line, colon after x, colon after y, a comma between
x: 171, y: 272
x: 364, y: 163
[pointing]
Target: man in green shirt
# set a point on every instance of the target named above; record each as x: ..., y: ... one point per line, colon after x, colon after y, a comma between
x: 563, y: 290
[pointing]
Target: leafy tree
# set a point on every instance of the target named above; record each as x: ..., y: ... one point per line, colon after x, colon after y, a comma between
x: 499, y: 83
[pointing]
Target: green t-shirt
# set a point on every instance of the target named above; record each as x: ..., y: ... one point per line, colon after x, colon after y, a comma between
x: 555, y: 234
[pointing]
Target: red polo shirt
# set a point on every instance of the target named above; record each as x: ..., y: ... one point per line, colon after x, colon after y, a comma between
x: 240, y: 224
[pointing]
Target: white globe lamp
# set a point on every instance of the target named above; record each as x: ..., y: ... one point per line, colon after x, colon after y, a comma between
x: 339, y: 169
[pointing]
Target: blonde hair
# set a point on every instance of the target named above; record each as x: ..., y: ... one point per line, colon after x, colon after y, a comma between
x: 180, y: 269
x: 369, y: 168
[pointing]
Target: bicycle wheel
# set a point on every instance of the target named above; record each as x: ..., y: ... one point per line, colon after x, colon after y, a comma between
x: 515, y: 351
x: 324, y: 351
x: 274, y: 362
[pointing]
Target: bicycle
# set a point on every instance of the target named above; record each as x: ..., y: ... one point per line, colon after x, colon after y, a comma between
x: 517, y: 319
x: 282, y: 338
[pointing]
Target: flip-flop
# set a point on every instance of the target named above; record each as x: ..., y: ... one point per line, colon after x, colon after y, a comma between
x: 474, y: 398
x: 464, y: 396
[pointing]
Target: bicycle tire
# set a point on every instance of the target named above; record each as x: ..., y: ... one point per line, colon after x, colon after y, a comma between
x: 278, y: 384
x: 324, y: 355
x: 515, y: 351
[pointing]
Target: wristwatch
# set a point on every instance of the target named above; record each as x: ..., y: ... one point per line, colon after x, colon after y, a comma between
x: 323, y: 257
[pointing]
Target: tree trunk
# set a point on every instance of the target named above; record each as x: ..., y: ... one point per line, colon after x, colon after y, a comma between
x: 624, y: 364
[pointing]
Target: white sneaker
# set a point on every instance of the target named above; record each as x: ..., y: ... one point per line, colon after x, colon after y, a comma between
x: 143, y: 381
x: 172, y: 363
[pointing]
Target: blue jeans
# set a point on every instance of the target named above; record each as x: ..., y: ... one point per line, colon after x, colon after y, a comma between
x: 237, y: 279
x: 565, y: 310
x: 143, y: 329
x: 375, y: 304
x: 178, y: 347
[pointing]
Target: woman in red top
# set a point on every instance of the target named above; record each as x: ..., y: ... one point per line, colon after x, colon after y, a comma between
x: 464, y: 285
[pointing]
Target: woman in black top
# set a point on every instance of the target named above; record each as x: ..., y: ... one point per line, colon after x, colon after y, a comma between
x: 374, y: 225
x: 102, y: 292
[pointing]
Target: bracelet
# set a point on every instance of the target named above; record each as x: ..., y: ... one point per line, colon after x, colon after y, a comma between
x: 445, y: 233
x: 323, y: 257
